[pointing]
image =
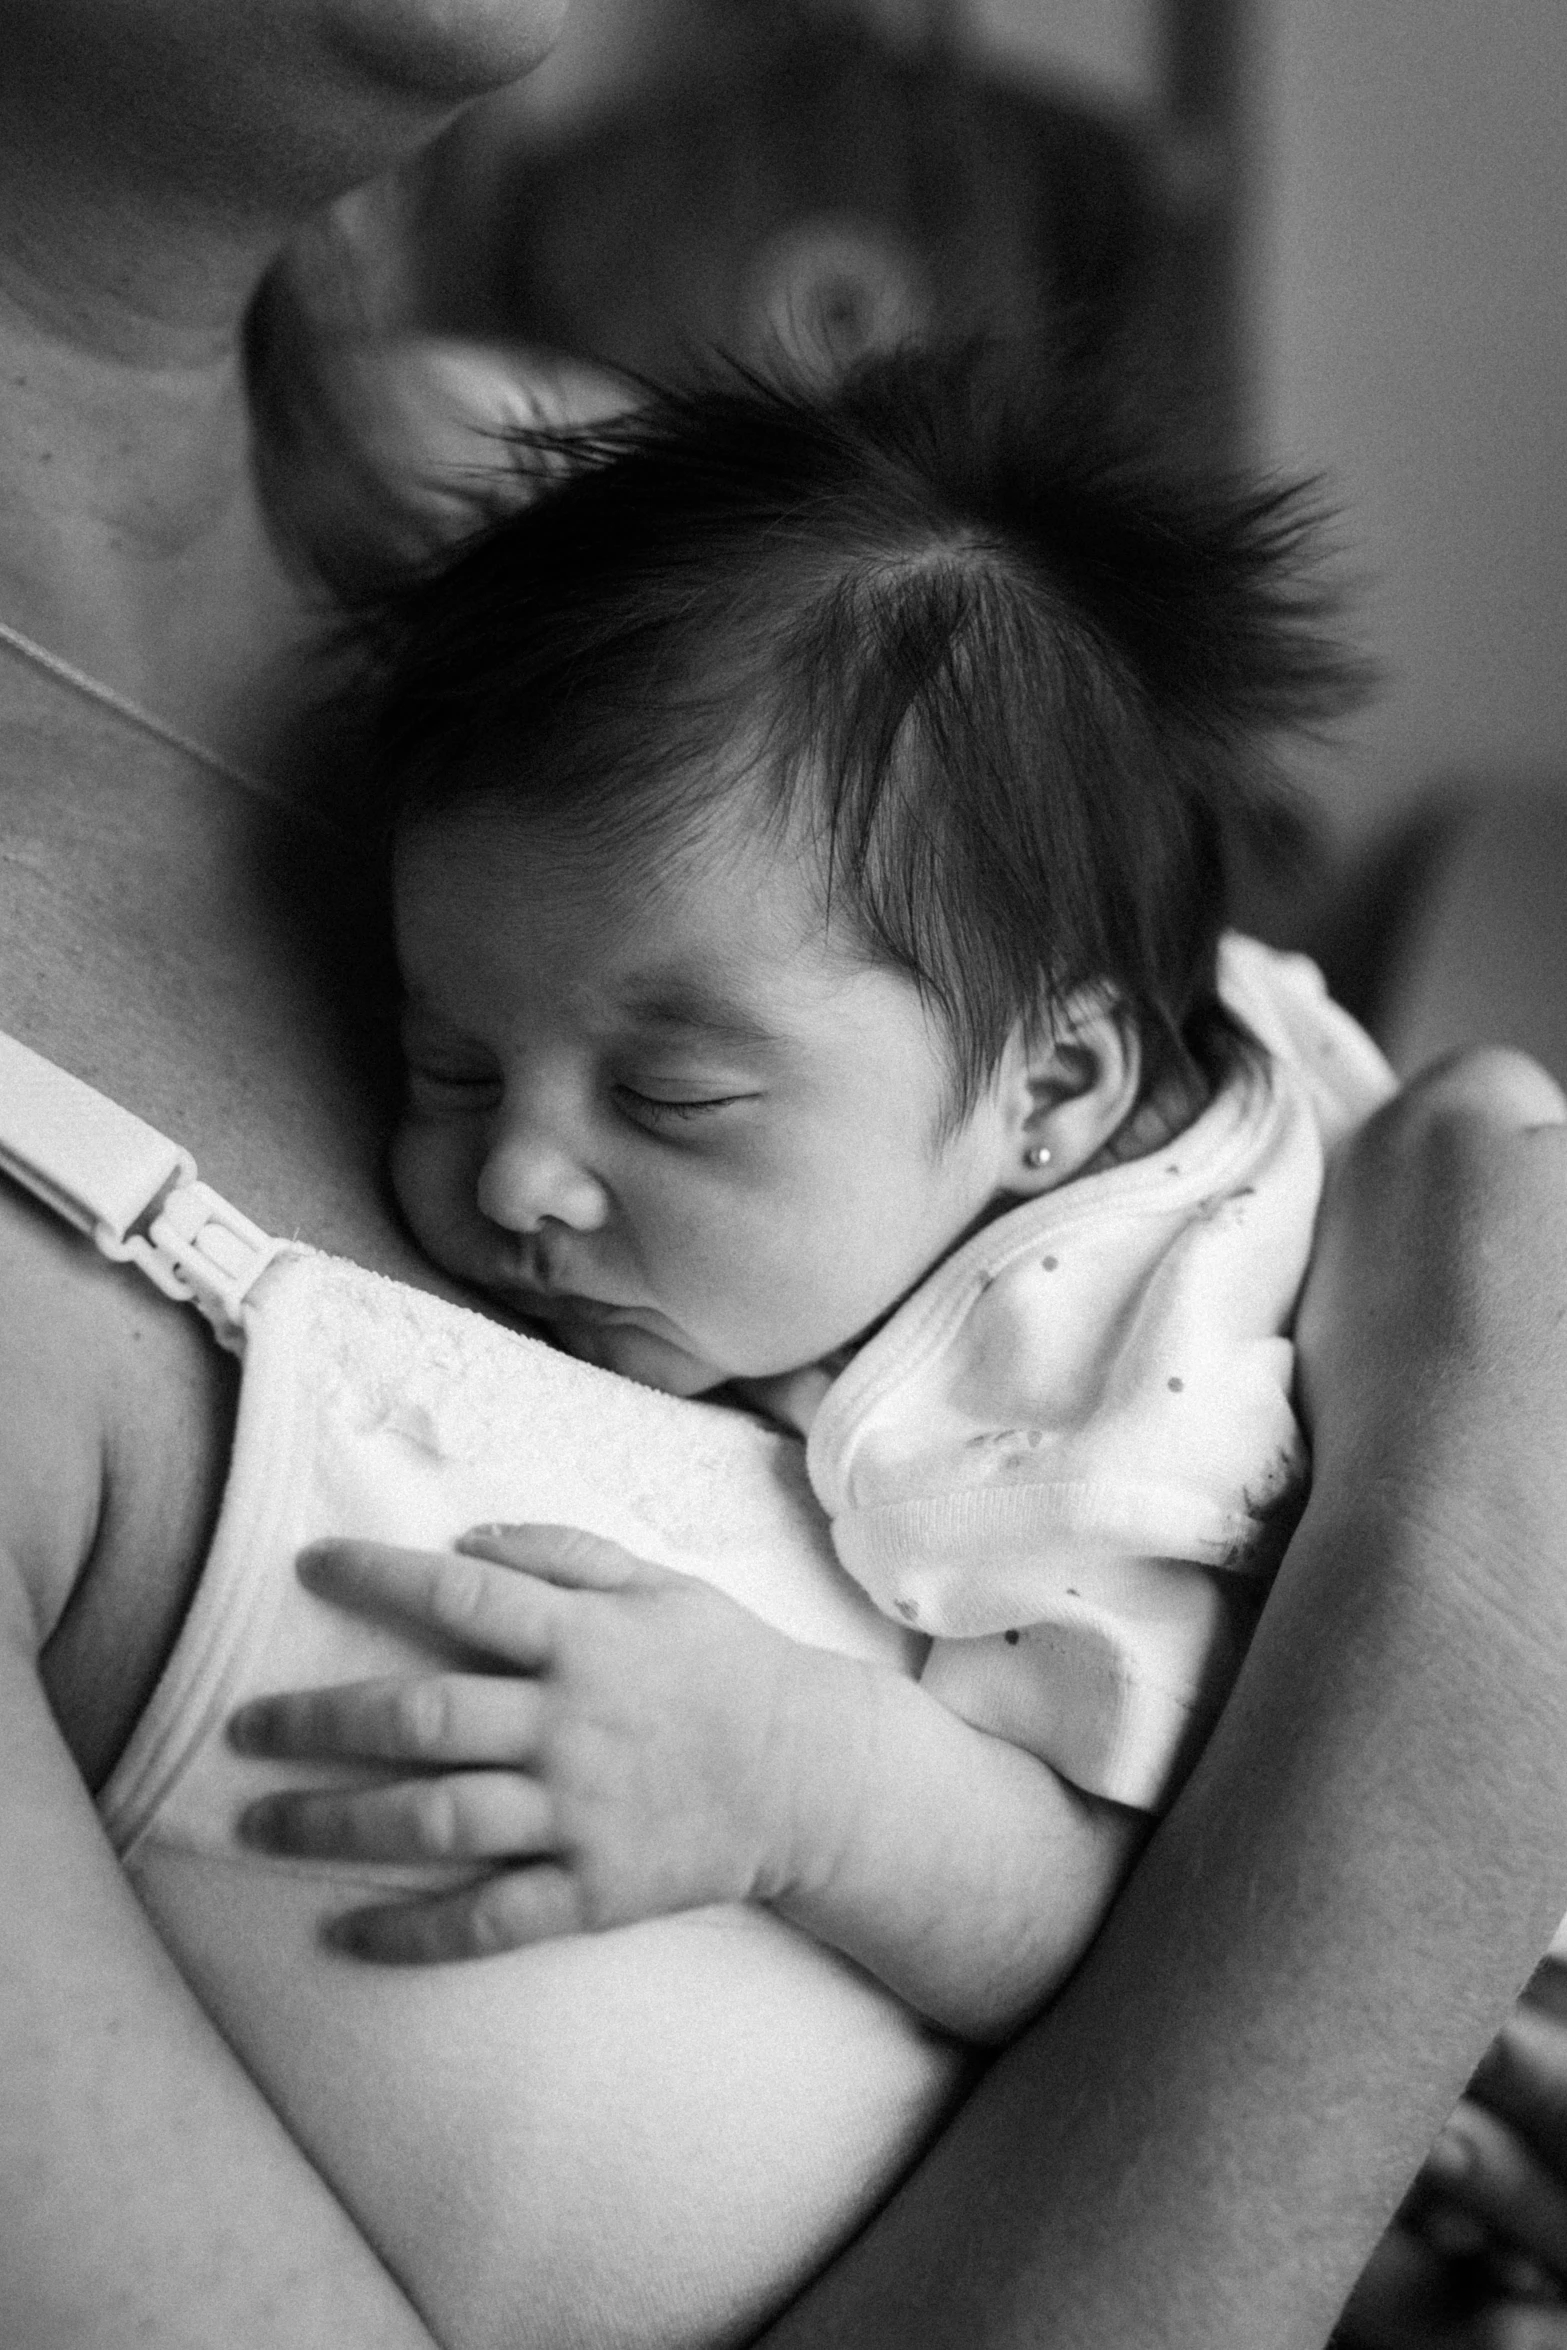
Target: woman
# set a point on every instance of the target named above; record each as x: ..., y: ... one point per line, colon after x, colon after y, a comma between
x: 1284, y: 2004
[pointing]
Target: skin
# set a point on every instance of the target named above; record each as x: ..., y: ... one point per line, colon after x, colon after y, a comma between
x: 690, y: 1126
x: 152, y: 158
x: 1198, y: 2261
x: 1495, y: 2190
x: 161, y: 932
x: 1497, y: 2163
x: 1478, y: 2256
x: 1264, y: 1908
x: 1491, y: 2191
x: 652, y: 1747
x: 693, y: 1127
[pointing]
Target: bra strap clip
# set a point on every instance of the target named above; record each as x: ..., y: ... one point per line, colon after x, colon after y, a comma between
x: 133, y: 1190
x: 199, y: 1249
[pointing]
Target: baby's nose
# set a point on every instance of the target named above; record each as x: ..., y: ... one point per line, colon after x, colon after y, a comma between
x: 529, y: 1179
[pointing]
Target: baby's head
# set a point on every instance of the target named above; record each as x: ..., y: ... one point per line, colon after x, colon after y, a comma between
x: 810, y: 842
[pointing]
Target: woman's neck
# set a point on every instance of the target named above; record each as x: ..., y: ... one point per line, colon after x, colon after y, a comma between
x: 131, y: 537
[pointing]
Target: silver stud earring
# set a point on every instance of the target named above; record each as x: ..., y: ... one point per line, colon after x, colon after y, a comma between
x: 1039, y: 1156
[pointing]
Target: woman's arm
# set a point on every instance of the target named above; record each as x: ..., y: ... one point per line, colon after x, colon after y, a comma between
x: 147, y: 2192
x: 1202, y: 2139
x: 1478, y: 2257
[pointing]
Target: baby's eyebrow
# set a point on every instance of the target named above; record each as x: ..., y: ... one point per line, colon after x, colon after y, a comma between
x: 676, y: 1006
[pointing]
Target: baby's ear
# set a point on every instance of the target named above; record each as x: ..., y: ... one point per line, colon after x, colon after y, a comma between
x: 1069, y: 1084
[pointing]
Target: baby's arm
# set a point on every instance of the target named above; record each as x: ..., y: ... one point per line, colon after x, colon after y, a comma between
x: 960, y: 1869
x: 661, y: 1748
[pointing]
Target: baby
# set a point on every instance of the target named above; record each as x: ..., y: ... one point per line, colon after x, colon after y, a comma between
x: 809, y: 874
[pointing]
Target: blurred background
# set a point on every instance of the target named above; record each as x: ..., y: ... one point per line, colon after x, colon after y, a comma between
x: 1328, y: 234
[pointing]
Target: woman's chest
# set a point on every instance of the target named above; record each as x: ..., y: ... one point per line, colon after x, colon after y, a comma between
x: 211, y: 965
x: 218, y: 971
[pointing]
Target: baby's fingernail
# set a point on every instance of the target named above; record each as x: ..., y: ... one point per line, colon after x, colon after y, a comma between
x: 496, y: 1533
x: 1452, y: 2156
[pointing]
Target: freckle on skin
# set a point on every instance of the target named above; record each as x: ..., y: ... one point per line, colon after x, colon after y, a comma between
x: 1176, y: 1386
x: 1050, y: 1263
x: 1012, y: 1639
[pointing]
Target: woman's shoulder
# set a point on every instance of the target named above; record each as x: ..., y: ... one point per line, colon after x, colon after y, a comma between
x: 116, y: 1417
x: 52, y: 1437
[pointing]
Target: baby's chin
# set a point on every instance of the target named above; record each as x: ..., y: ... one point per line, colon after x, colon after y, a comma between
x: 643, y: 1355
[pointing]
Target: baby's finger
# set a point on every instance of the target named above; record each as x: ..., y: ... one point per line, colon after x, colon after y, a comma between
x: 1403, y: 2301
x: 1520, y: 2325
x: 1497, y: 1084
x: 535, y: 1904
x: 1523, y: 2078
x: 1485, y: 2166
x: 461, y: 1815
x: 499, y: 1614
x: 441, y: 1718
x: 566, y: 1555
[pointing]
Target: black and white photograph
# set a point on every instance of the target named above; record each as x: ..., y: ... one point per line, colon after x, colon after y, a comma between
x: 783, y: 1175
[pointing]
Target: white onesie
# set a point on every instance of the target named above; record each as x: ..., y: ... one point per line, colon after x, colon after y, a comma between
x: 1070, y: 1457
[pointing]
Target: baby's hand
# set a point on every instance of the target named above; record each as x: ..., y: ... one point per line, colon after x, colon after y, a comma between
x: 634, y: 1758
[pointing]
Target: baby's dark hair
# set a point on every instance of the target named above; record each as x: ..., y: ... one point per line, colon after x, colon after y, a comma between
x: 1017, y: 672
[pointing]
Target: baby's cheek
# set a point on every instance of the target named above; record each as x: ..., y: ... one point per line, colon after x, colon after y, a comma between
x: 795, y: 1304
x: 434, y: 1175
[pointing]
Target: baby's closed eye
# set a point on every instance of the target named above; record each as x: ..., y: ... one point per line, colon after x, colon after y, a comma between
x: 434, y: 1089
x: 445, y: 1069
x: 669, y: 1110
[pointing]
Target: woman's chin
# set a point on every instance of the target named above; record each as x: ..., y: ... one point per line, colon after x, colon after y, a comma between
x: 448, y: 49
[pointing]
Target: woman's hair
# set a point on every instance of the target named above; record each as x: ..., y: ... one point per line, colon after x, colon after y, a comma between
x: 1014, y: 672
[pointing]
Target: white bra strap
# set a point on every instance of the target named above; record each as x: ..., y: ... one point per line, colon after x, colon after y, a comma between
x: 126, y: 1185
